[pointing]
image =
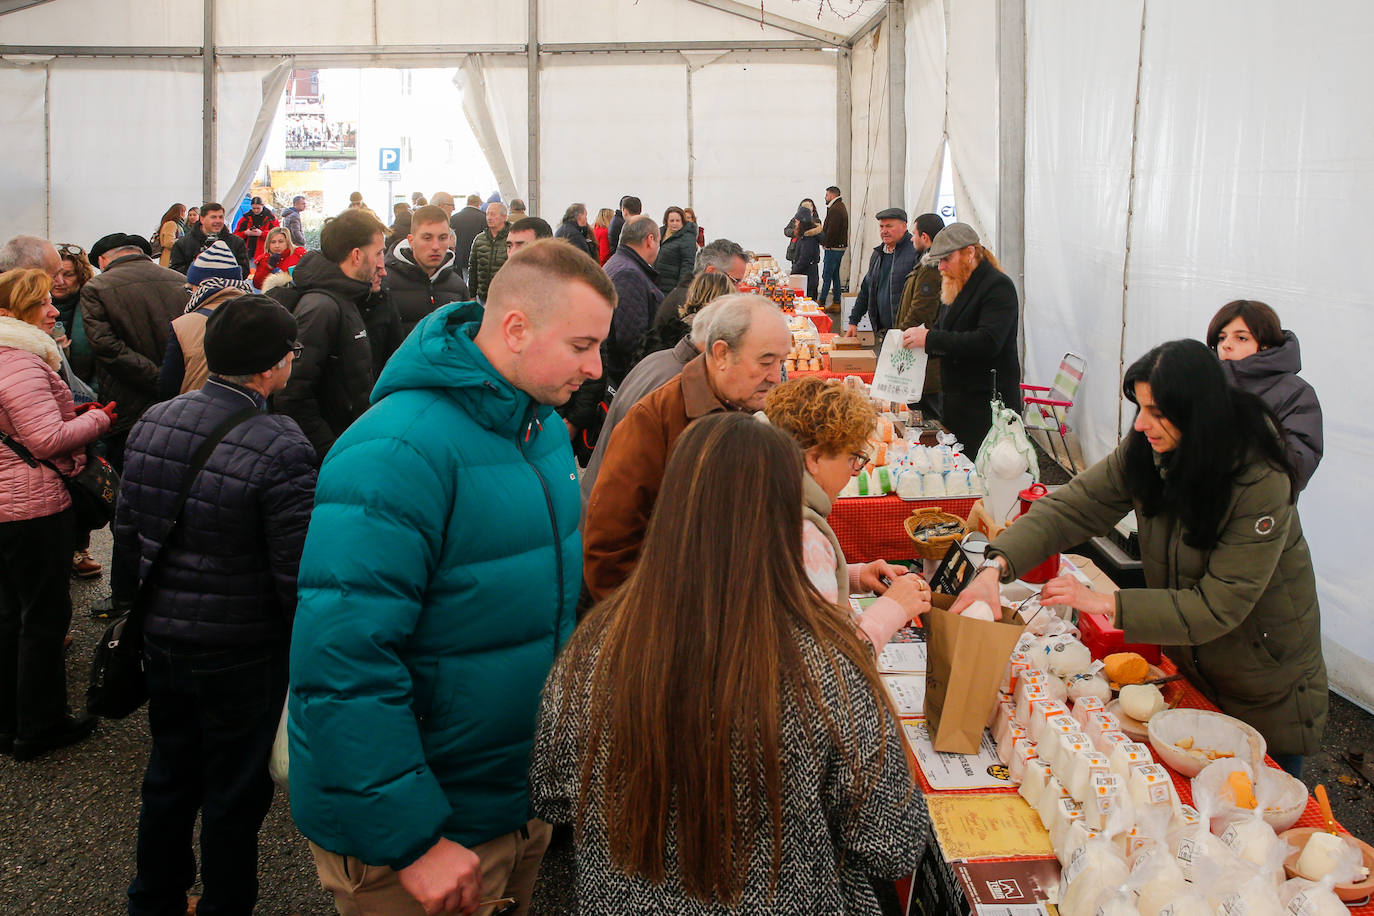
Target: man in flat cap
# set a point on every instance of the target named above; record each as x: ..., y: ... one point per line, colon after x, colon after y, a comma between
x: 217, y: 621
x: 975, y: 335
x: 127, y: 310
x: 880, y: 293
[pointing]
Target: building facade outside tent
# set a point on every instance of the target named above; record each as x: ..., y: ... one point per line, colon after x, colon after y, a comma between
x: 1134, y: 165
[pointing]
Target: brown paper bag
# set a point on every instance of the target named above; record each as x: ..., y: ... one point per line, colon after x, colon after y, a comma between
x: 965, y: 662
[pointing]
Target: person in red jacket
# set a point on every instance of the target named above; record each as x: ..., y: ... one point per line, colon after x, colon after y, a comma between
x: 277, y: 256
x: 253, y: 225
x: 602, y: 231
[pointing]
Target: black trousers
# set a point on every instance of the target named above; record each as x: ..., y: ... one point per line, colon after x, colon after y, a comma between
x: 35, y: 612
x: 213, y: 715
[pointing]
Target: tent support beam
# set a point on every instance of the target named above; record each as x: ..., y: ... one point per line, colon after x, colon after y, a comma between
x: 1011, y: 141
x: 14, y: 6
x: 595, y: 47
x: 533, y: 188
x: 101, y: 51
x: 310, y: 53
x: 753, y: 14
x: 896, y: 104
x: 207, y: 103
x: 844, y: 123
x: 867, y: 28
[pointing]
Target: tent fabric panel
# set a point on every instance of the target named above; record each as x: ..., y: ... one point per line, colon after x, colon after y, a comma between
x: 1078, y: 160
x: 589, y: 158
x: 137, y: 23
x: 925, y: 103
x: 23, y: 149
x: 870, y: 154
x: 126, y: 144
x: 401, y: 22
x: 644, y: 20
x: 760, y: 148
x: 971, y: 31
x: 266, y: 23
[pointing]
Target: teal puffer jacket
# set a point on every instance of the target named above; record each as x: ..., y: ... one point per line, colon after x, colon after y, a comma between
x: 439, y: 580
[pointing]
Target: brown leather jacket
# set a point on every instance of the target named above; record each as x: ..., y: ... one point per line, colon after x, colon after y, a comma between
x: 632, y: 474
x: 835, y: 229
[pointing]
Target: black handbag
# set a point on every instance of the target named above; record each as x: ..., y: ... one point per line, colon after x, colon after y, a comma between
x: 119, y: 684
x: 93, y: 490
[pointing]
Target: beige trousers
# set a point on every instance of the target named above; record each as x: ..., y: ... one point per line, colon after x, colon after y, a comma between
x: 510, y: 864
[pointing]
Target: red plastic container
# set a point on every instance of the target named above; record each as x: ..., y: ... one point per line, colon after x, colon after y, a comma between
x: 1102, y: 640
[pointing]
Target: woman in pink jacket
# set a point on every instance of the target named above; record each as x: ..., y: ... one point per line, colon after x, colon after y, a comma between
x: 36, y: 533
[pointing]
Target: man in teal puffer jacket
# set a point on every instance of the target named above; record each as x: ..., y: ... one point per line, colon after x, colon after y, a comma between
x: 439, y: 579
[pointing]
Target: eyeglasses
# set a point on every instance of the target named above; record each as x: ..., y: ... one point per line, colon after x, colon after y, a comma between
x: 297, y: 349
x: 858, y: 461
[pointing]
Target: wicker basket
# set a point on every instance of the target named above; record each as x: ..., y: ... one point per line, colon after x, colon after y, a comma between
x: 933, y: 548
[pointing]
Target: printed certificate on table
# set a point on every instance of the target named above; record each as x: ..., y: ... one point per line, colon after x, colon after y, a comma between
x: 956, y: 771
x: 908, y: 693
x: 903, y: 658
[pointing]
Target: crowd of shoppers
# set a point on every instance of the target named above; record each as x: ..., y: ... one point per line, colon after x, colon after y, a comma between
x: 402, y: 388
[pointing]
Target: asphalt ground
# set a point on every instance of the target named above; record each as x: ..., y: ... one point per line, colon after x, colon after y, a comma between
x: 69, y: 820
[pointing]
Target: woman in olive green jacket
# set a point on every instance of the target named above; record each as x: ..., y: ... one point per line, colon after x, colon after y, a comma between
x: 1231, y: 593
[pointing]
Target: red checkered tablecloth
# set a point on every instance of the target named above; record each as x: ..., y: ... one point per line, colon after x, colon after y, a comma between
x: 870, y: 527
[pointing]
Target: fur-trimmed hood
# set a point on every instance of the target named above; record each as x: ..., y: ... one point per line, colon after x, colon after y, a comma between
x: 21, y: 335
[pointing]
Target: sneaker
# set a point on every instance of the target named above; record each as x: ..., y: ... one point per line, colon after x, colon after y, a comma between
x: 83, y: 567
x: 70, y: 731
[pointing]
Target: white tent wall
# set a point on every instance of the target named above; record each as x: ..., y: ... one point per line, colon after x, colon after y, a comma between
x: 111, y: 23
x: 870, y: 150
x: 925, y: 103
x: 1078, y: 166
x: 250, y: 97
x: 970, y: 34
x: 1247, y: 184
x: 24, y: 150
x: 118, y: 158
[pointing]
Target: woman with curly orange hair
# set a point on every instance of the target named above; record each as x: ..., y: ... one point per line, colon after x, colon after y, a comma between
x: 832, y: 424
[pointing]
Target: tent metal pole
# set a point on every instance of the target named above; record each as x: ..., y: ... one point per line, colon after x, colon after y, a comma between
x: 14, y: 6
x: 599, y: 47
x: 47, y: 151
x: 310, y: 52
x: 691, y: 144
x: 208, y: 102
x: 896, y: 104
x: 1011, y: 141
x: 755, y: 14
x: 844, y: 122
x: 532, y: 112
x: 1130, y: 221
x: 101, y: 51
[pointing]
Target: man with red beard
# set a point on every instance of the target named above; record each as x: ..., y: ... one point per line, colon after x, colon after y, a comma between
x: 974, y: 336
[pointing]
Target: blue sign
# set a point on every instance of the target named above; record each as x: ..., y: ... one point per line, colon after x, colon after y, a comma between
x: 389, y: 159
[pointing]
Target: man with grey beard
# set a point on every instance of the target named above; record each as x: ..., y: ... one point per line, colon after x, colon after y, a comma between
x: 975, y: 335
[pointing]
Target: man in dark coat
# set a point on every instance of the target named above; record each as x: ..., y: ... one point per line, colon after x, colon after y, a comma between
x: 333, y: 377
x: 974, y: 336
x: 835, y: 241
x: 629, y: 206
x: 636, y: 284
x: 466, y: 224
x: 217, y: 623
x: 421, y: 272
x: 880, y: 293
x: 202, y: 235
x: 127, y: 312
x: 920, y: 303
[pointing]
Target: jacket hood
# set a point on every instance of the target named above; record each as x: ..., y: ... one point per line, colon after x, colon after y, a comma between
x: 316, y: 272
x: 403, y: 257
x: 20, y: 335
x: 1285, y: 359
x: 441, y: 354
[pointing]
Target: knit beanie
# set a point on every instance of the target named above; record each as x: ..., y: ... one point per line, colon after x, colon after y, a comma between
x: 215, y: 261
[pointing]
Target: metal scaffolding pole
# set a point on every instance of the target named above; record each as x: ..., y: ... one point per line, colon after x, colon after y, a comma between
x: 896, y: 104
x: 208, y: 101
x: 532, y: 191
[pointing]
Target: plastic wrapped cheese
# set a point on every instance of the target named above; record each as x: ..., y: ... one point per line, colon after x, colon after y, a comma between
x: 1083, y: 766
x: 1049, y: 798
x: 1063, y: 814
x: 1065, y: 747
x: 1089, y: 684
x: 1107, y: 742
x: 1017, y: 664
x: 1098, y: 723
x: 1044, y: 713
x: 1106, y: 794
x: 1022, y: 754
x: 980, y: 610
x: 1159, y: 881
x: 1301, y: 897
x: 1190, y: 903
x: 1065, y: 656
x: 1096, y: 868
x: 1251, y: 838
x: 933, y: 485
x: 1151, y: 786
x: 1075, y: 836
x: 1118, y: 901
x: 1007, y: 744
x: 1326, y: 854
x: 1125, y: 756
x: 1256, y: 897
x: 1035, y: 776
x: 1080, y: 707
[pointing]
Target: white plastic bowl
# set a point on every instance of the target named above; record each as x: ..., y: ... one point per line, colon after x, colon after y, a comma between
x: 1284, y: 798
x: 1210, y: 731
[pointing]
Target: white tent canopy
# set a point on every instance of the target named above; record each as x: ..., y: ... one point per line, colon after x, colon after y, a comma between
x: 1133, y: 164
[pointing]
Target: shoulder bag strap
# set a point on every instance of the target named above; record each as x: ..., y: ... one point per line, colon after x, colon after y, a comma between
x: 198, y: 461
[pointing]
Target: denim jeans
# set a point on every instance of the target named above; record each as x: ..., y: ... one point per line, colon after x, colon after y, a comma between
x: 213, y: 715
x: 830, y: 271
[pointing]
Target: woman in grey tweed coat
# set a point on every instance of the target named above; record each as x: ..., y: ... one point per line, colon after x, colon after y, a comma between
x: 716, y: 730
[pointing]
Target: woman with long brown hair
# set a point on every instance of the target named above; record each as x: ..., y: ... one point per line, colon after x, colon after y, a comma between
x: 171, y: 227
x: 716, y: 716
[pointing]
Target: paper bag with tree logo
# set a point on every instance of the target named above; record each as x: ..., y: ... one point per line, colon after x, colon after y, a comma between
x: 965, y: 662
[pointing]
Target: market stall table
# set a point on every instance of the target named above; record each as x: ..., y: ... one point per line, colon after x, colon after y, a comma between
x: 870, y: 527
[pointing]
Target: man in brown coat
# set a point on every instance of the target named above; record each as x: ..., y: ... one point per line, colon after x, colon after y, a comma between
x: 745, y: 347
x: 835, y: 241
x: 921, y: 296
x: 127, y: 310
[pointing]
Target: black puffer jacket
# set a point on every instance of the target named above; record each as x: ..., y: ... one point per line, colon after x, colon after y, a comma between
x: 126, y: 311
x: 1273, y: 375
x: 573, y: 234
x: 190, y: 245
x: 228, y: 578
x: 332, y: 379
x: 676, y: 257
x: 414, y: 292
